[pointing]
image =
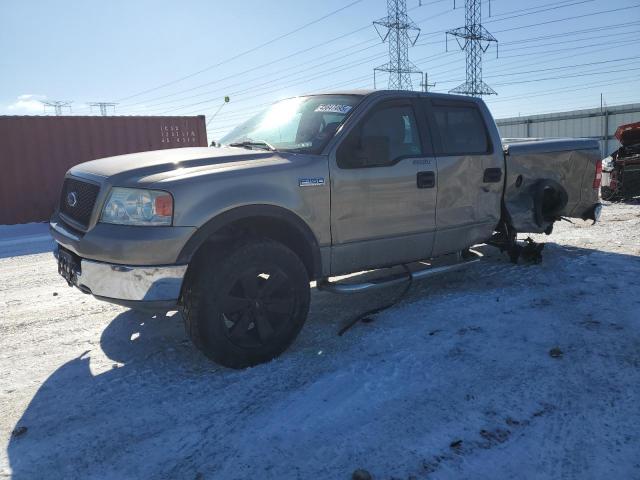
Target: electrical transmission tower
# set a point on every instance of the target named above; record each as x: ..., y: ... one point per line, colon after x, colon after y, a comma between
x: 477, y: 40
x: 57, y: 106
x: 104, y: 106
x: 401, y: 33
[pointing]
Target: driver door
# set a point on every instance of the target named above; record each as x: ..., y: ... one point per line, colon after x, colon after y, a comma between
x: 383, y: 190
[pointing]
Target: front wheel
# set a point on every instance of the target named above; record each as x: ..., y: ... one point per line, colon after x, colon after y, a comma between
x: 245, y: 305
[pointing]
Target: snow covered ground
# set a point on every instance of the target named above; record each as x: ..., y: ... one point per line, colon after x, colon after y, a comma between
x: 457, y: 381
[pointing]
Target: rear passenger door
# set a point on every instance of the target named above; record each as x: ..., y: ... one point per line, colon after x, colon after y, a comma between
x: 470, y: 174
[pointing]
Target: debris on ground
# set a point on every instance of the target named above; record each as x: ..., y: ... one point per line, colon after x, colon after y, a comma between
x: 18, y: 431
x: 361, y: 474
x: 555, y: 352
x: 456, y: 444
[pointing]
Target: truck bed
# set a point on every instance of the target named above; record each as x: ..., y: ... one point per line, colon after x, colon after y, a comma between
x: 548, y: 178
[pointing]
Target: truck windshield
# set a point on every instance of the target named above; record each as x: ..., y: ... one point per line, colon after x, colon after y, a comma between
x: 300, y: 124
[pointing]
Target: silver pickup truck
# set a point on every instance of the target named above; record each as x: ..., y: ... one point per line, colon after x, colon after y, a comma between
x: 313, y: 187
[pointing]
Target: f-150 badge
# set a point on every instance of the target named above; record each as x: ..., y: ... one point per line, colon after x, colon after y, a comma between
x: 311, y: 182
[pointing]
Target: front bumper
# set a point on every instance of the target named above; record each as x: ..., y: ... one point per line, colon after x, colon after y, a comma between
x: 122, y: 244
x: 145, y: 287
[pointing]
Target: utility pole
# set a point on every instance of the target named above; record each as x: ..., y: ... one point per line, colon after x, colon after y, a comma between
x: 399, y: 31
x: 476, y: 41
x: 225, y: 100
x: 425, y: 83
x: 57, y: 106
x: 104, y: 106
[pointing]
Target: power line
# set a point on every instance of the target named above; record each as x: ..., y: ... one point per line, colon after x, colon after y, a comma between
x: 436, y: 33
x: 575, y: 32
x: 303, y: 71
x: 551, y: 92
x: 261, y: 66
x: 266, y: 64
x: 350, y: 65
x: 363, y: 49
x: 298, y: 52
x: 303, y: 79
x: 350, y: 81
x: 245, y: 52
x: 565, y: 66
x: 601, y: 12
x: 554, y: 4
x: 527, y: 47
x: 594, y: 72
x: 321, y: 74
x: 557, y: 7
x: 551, y: 69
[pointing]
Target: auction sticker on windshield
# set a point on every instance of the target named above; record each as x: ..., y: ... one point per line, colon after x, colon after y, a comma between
x: 333, y: 108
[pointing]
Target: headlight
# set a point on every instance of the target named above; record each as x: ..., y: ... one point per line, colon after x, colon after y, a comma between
x: 133, y: 206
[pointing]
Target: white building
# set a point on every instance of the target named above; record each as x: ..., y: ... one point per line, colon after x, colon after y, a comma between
x: 591, y: 123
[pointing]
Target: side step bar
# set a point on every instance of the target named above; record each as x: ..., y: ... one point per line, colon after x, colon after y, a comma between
x: 349, y: 288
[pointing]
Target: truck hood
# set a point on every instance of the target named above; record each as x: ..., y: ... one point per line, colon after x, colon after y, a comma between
x: 159, y: 165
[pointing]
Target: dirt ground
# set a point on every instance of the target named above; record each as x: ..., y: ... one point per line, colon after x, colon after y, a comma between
x: 498, y: 371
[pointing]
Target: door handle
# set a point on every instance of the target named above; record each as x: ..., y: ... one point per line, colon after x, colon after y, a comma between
x: 492, y: 175
x: 426, y: 179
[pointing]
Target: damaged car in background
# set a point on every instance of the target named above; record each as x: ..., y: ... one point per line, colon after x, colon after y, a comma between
x: 312, y: 188
x: 621, y: 170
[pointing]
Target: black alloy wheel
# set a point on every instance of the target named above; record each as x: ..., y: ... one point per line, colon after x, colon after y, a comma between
x: 257, y: 306
x: 245, y: 304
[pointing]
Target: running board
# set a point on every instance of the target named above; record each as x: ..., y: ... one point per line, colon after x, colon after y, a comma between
x: 349, y: 288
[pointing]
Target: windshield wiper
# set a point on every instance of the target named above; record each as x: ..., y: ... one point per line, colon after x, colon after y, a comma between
x: 254, y: 144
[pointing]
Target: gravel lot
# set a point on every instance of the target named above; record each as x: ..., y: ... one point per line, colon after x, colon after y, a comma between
x: 457, y: 381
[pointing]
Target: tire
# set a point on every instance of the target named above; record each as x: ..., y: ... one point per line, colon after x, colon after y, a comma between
x: 246, y: 304
x: 607, y: 194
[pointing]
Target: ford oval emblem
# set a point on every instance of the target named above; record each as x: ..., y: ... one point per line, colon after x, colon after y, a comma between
x: 72, y: 199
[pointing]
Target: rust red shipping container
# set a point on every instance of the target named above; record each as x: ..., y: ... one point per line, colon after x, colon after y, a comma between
x: 36, y: 151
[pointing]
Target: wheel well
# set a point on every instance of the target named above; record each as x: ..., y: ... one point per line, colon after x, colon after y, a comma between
x: 277, y: 228
x: 550, y: 198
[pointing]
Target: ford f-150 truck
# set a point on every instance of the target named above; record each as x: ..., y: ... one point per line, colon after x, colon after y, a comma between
x: 313, y: 187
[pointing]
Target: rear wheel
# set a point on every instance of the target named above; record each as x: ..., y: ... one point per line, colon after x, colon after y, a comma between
x: 246, y: 304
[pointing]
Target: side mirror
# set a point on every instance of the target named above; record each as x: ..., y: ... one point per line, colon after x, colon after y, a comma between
x: 374, y: 150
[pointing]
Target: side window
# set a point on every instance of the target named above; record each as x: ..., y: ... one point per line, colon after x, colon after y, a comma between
x: 462, y: 130
x: 386, y: 136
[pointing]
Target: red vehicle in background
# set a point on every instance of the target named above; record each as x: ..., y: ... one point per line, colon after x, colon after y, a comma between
x: 621, y: 170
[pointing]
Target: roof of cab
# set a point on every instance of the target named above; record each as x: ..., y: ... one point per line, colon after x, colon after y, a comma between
x: 367, y: 92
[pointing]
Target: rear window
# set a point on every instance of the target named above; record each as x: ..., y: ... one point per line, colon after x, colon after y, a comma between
x: 462, y: 130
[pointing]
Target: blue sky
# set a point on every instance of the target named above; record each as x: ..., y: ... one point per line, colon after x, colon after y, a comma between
x: 112, y: 50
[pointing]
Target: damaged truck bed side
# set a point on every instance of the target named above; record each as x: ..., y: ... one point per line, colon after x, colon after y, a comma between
x: 311, y: 188
x: 550, y: 179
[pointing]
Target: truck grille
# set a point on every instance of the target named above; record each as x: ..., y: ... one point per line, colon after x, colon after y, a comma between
x: 78, y: 199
